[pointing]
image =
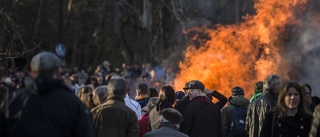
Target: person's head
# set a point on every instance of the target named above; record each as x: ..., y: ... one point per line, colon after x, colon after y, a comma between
x: 271, y: 83
x: 316, y: 100
x: 258, y: 86
x: 194, y: 88
x: 4, y: 93
x: 100, y: 95
x: 151, y: 104
x: 117, y: 86
x: 179, y: 95
x: 167, y: 94
x: 237, y: 92
x: 142, y: 89
x: 45, y: 64
x: 106, y: 64
x: 291, y: 97
x: 152, y: 92
x: 172, y: 115
x: 86, y: 96
x: 307, y: 91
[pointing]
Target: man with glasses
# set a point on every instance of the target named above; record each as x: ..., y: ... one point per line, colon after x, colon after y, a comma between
x: 201, y: 117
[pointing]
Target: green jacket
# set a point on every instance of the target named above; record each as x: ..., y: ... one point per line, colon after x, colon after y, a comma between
x: 256, y: 94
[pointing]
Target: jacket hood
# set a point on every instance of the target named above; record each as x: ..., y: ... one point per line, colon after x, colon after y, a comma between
x: 202, y: 99
x: 239, y: 101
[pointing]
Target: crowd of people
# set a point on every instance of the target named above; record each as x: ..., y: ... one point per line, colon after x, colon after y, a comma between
x: 135, y: 102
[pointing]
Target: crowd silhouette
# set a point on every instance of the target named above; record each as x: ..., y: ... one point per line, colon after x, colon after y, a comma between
x: 135, y: 101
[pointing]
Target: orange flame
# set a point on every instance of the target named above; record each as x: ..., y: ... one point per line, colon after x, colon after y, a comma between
x: 242, y: 54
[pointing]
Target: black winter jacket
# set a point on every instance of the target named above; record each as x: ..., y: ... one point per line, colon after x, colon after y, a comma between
x: 289, y: 126
x: 49, y: 110
x: 257, y: 111
x: 202, y: 119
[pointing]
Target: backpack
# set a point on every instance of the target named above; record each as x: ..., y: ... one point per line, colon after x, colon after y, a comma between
x: 238, y: 122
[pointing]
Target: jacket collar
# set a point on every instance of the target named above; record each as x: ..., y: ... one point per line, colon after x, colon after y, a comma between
x: 169, y: 125
x: 114, y: 98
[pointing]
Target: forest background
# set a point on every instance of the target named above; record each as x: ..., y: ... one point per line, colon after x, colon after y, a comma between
x: 120, y: 31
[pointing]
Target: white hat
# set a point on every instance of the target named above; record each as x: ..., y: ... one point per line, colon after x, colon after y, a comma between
x: 8, y: 80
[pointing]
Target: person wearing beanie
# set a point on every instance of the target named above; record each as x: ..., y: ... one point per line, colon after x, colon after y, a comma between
x: 171, y: 119
x: 201, y: 111
x: 45, y: 106
x: 237, y: 100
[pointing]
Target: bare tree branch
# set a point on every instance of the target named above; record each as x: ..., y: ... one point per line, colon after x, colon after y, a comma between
x: 131, y: 7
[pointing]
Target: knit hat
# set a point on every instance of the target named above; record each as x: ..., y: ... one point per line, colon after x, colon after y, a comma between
x: 194, y: 84
x: 172, y: 115
x: 237, y: 91
x: 44, y: 61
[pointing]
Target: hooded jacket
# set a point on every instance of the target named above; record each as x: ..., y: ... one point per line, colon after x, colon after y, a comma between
x: 226, y: 112
x: 45, y: 107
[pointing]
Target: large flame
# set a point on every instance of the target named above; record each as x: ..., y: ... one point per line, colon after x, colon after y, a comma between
x: 242, y: 54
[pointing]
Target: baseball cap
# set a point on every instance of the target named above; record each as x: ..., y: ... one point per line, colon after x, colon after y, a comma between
x: 194, y: 84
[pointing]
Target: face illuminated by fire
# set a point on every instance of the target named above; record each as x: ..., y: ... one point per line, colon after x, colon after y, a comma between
x: 192, y: 93
x: 292, y: 98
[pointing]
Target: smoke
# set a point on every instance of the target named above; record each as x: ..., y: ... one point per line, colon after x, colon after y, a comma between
x: 307, y: 50
x: 281, y: 38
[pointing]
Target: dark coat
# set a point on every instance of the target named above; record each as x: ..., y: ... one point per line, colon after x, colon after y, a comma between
x: 50, y: 111
x: 182, y: 104
x: 202, y: 119
x: 227, y: 112
x: 294, y: 126
x: 256, y: 112
x: 222, y: 100
x: 115, y: 119
x: 166, y: 129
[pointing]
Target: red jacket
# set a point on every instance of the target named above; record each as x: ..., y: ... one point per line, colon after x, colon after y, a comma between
x: 143, y: 124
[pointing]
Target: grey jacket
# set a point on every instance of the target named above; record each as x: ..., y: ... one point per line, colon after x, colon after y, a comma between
x: 166, y: 129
